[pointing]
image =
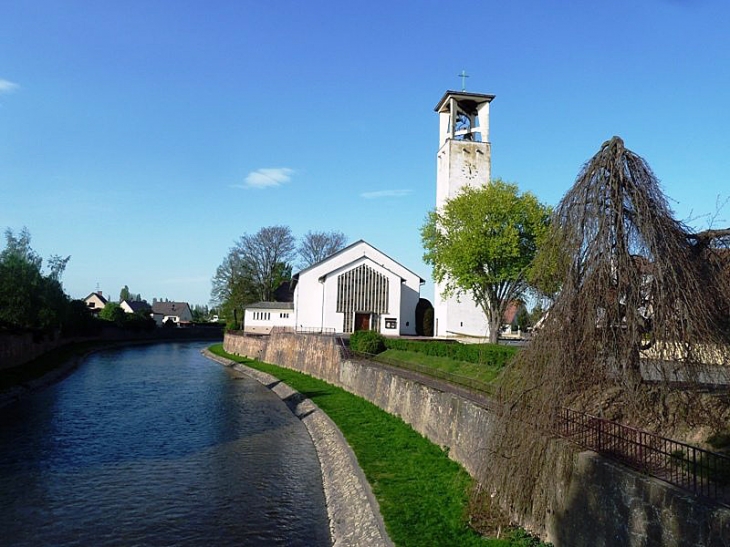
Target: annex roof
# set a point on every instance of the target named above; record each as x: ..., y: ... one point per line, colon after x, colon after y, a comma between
x: 270, y: 306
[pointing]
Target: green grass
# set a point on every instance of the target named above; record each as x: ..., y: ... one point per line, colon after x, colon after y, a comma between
x: 423, y: 495
x: 480, y: 377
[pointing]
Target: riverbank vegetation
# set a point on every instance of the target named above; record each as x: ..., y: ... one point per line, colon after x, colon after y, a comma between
x: 477, y: 366
x: 423, y: 495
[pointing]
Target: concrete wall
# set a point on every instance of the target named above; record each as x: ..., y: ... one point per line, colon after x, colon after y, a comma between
x: 598, y: 504
x: 17, y: 348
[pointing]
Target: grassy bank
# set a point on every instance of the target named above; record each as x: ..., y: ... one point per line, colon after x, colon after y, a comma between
x: 423, y: 495
x: 477, y: 376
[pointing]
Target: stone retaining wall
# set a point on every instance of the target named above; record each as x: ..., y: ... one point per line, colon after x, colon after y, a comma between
x: 21, y: 347
x: 600, y: 503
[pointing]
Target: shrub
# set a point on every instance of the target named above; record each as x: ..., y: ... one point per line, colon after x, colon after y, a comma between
x: 367, y: 341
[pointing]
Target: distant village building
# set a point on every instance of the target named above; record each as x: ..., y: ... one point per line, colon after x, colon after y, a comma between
x: 464, y: 159
x: 95, y: 302
x: 177, y: 312
x: 135, y: 306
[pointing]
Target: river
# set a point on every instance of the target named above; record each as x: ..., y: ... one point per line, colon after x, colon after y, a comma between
x: 156, y: 445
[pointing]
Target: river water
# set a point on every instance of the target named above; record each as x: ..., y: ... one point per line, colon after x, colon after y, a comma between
x: 156, y: 445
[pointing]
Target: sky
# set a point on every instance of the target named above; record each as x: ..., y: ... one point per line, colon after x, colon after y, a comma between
x: 144, y: 138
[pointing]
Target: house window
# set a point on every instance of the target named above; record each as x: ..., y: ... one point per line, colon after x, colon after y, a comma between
x: 391, y: 323
x: 283, y: 316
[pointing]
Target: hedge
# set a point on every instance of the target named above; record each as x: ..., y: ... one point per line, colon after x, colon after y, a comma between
x: 487, y: 354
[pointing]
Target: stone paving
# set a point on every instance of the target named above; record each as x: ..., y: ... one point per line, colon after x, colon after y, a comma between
x: 353, y: 511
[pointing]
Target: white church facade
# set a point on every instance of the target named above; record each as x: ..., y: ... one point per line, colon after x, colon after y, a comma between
x: 356, y: 288
x: 463, y: 159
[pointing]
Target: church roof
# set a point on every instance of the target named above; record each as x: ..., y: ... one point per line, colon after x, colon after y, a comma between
x: 295, y: 278
x: 476, y: 98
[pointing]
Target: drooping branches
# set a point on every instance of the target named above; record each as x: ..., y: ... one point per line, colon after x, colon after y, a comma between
x: 632, y: 276
x: 641, y: 303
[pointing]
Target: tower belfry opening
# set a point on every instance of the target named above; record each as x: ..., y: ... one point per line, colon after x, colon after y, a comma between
x: 464, y: 116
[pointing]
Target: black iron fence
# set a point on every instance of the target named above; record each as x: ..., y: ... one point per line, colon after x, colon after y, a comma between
x: 700, y: 471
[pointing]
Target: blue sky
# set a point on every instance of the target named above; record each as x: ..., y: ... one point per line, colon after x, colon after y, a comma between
x: 143, y: 138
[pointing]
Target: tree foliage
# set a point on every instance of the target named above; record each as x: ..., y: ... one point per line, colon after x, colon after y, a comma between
x: 253, y: 269
x: 481, y: 245
x: 316, y: 246
x: 113, y: 312
x: 635, y: 290
x: 28, y: 297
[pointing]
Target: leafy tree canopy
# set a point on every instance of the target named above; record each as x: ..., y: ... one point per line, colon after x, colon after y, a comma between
x: 253, y: 269
x: 481, y: 244
x: 28, y: 298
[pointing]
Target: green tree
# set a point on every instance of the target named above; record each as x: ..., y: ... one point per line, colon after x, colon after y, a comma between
x: 124, y: 294
x: 113, y: 312
x: 481, y: 244
x: 28, y: 298
x: 253, y: 269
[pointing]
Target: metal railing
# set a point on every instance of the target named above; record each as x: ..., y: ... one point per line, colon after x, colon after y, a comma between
x: 699, y: 471
x: 327, y: 331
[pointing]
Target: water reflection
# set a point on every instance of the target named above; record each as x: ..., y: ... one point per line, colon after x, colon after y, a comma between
x: 156, y: 445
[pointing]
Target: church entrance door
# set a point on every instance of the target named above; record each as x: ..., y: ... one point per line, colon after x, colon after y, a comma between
x: 362, y: 321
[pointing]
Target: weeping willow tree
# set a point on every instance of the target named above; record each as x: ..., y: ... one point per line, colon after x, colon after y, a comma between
x: 631, y: 279
x: 637, y: 295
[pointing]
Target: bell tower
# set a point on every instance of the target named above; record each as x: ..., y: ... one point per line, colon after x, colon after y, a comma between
x: 464, y: 159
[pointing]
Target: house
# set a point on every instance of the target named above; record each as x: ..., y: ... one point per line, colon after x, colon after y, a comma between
x: 261, y: 317
x: 135, y: 306
x: 95, y: 302
x: 177, y: 312
x: 357, y: 288
x: 511, y: 314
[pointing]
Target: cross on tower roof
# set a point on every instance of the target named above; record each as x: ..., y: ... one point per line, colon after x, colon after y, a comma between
x: 463, y: 77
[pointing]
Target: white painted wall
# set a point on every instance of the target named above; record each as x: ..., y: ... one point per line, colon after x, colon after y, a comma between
x: 260, y: 320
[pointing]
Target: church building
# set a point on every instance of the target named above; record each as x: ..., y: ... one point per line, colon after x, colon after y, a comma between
x: 357, y: 288
x: 463, y: 159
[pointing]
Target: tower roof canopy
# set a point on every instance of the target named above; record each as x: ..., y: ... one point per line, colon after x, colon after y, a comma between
x: 469, y: 100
